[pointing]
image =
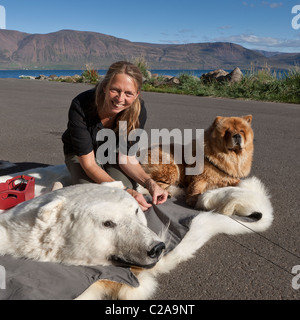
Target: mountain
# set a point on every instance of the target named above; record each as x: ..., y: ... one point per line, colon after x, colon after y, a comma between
x: 286, y: 59
x: 268, y: 54
x: 69, y: 49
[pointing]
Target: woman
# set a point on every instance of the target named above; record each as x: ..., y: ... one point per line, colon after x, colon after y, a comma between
x: 114, y: 99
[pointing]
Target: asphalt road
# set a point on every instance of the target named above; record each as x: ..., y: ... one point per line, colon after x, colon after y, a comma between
x: 34, y: 115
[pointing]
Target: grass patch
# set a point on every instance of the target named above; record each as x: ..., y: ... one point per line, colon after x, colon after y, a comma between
x: 262, y: 85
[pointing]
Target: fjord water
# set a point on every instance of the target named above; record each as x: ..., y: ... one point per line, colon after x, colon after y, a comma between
x: 36, y: 73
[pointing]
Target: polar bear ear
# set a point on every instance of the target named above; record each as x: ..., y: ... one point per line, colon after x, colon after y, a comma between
x: 50, y: 210
x: 114, y: 184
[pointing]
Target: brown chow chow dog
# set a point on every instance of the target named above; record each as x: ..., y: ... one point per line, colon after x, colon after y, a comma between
x: 228, y: 152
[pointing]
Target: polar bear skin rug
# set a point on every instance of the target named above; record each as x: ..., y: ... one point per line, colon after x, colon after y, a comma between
x: 102, y: 225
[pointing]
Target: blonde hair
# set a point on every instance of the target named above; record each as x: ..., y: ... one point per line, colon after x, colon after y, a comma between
x: 131, y: 115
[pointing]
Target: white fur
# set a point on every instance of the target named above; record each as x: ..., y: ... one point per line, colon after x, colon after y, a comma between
x: 53, y: 218
x: 249, y: 197
x: 45, y: 178
x: 79, y: 225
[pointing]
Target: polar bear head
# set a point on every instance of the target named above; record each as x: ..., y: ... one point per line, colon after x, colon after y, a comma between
x: 87, y: 224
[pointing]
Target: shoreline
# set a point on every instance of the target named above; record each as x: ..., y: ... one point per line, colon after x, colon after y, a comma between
x: 66, y: 72
x: 158, y: 91
x: 258, y: 85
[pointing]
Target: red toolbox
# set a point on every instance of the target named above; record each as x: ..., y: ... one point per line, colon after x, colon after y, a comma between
x: 16, y: 190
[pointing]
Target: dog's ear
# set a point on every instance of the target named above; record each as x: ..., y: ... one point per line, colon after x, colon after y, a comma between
x: 248, y: 118
x: 51, y: 210
x: 217, y: 120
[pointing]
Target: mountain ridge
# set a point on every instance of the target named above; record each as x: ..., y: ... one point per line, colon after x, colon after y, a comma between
x: 72, y: 49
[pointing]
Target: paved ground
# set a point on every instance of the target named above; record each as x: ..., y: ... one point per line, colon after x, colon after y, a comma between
x: 34, y: 115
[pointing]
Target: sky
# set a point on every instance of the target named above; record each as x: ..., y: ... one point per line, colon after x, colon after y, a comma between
x: 254, y: 24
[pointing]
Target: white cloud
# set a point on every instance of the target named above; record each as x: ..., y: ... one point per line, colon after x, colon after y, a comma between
x: 263, y: 43
x: 246, y: 4
x: 167, y: 41
x: 185, y: 31
x: 225, y: 27
x: 272, y: 5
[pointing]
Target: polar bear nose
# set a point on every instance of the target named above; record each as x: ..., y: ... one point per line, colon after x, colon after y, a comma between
x: 156, y: 251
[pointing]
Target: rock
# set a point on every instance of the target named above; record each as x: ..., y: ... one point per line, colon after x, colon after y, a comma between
x: 166, y: 78
x: 53, y: 77
x: 174, y: 80
x: 216, y: 75
x: 235, y: 76
x: 165, y: 81
x: 27, y: 77
x: 148, y: 74
x: 41, y: 77
x: 221, y: 75
x: 68, y: 79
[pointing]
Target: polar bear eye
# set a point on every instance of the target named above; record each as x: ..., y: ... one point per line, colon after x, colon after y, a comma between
x: 109, y: 224
x: 136, y: 211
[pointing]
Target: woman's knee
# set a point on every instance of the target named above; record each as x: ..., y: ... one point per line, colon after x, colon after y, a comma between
x: 78, y: 176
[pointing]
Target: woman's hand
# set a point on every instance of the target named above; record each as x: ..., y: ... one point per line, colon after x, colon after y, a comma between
x: 140, y: 199
x: 159, y: 195
x: 133, y: 169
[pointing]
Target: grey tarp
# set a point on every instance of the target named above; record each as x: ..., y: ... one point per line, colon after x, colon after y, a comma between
x: 32, y: 280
